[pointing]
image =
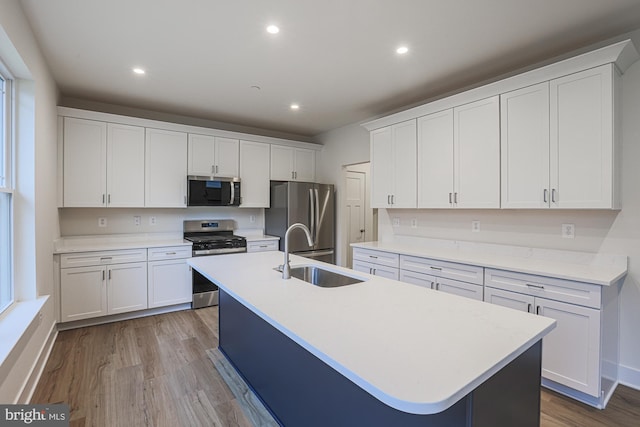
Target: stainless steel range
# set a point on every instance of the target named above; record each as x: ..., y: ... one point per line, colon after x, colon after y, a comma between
x: 210, y: 237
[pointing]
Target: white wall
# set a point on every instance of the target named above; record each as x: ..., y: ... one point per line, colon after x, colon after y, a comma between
x: 35, y: 213
x: 344, y: 146
x: 596, y: 231
x: 83, y: 221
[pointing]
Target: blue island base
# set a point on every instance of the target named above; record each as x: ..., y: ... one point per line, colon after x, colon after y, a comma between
x: 301, y: 390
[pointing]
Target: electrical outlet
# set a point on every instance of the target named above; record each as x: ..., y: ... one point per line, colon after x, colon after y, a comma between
x: 137, y: 220
x: 102, y: 222
x: 252, y: 218
x: 152, y: 220
x: 414, y: 223
x: 396, y: 222
x: 475, y: 226
x: 568, y: 231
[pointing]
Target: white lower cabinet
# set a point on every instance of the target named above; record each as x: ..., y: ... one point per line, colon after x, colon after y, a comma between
x: 450, y: 286
x: 101, y: 290
x: 378, y: 263
x: 169, y: 276
x: 573, y: 354
x: 262, y: 245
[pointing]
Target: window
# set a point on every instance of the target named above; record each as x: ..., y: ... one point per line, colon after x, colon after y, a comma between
x: 6, y: 193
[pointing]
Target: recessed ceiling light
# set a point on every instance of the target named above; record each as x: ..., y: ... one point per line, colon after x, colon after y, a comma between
x: 138, y: 70
x: 402, y: 50
x: 272, y: 29
x: 295, y: 107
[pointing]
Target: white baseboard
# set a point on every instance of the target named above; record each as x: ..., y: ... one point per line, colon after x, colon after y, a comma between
x: 31, y: 382
x: 629, y: 376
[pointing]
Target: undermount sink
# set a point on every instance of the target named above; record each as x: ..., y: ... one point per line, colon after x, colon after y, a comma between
x: 321, y: 277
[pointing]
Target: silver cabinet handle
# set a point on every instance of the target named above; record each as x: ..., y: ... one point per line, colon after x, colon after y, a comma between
x: 185, y: 200
x: 537, y: 309
x: 455, y: 197
x: 535, y: 286
x: 544, y: 195
x: 170, y: 253
x: 388, y: 199
x: 450, y: 194
x: 109, y: 274
x: 106, y: 258
x: 553, y: 195
x: 263, y: 246
x: 529, y: 308
x: 433, y: 285
x: 437, y: 286
x: 374, y: 271
x: 392, y: 196
x: 435, y: 268
x: 109, y: 199
x: 103, y: 275
x: 103, y: 198
x: 213, y: 169
x: 370, y: 270
x: 373, y: 256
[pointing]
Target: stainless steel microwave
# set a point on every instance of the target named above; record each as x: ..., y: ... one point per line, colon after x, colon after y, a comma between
x: 213, y: 191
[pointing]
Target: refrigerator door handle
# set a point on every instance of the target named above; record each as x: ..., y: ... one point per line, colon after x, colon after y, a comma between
x: 317, y: 222
x: 312, y: 215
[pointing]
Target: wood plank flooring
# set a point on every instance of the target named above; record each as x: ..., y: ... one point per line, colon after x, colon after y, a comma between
x: 155, y: 371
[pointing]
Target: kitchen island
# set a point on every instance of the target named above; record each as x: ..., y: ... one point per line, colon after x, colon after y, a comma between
x: 379, y: 352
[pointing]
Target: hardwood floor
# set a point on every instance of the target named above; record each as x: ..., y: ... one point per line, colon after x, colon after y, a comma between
x: 155, y: 371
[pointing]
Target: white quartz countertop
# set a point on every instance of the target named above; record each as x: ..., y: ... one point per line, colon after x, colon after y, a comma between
x: 415, y: 349
x: 598, y: 269
x: 259, y: 238
x: 117, y: 242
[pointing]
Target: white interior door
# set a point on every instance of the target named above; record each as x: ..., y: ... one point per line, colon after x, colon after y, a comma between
x: 355, y: 209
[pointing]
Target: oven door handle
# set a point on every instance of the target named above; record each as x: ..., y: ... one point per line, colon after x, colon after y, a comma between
x: 233, y: 193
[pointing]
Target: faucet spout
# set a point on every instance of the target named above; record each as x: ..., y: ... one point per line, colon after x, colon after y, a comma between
x: 286, y: 268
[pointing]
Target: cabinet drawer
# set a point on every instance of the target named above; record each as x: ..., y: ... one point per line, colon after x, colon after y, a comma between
x: 450, y: 270
x: 376, y: 269
x: 84, y: 259
x: 262, y: 245
x: 169, y: 252
x: 376, y: 257
x: 580, y: 293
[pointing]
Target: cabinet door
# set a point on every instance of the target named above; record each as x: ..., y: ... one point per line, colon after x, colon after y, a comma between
x: 227, y: 152
x: 404, y: 160
x: 262, y: 246
x: 254, y: 175
x: 476, y: 139
x: 85, y: 163
x: 524, y: 141
x: 305, y: 165
x: 381, y: 168
x: 169, y: 283
x: 165, y: 169
x: 282, y: 163
x: 125, y: 166
x: 509, y: 299
x: 435, y: 160
x: 376, y: 269
x: 83, y: 293
x: 582, y: 144
x: 420, y: 279
x: 462, y: 289
x: 127, y: 287
x: 571, y: 352
x: 201, y: 154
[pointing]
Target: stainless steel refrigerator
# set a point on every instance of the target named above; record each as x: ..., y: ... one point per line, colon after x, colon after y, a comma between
x: 310, y: 204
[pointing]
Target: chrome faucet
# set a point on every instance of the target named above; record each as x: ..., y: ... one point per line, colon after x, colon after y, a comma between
x: 286, y: 268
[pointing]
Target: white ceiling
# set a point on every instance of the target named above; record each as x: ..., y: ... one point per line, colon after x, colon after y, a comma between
x: 336, y: 58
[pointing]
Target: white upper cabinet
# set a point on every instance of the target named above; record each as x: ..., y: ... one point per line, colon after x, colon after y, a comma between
x: 165, y: 168
x: 476, y: 149
x: 583, y: 141
x: 125, y: 166
x: 254, y: 174
x: 394, y: 166
x: 213, y: 155
x: 435, y: 160
x: 292, y: 164
x: 459, y: 157
x: 85, y: 163
x: 103, y: 164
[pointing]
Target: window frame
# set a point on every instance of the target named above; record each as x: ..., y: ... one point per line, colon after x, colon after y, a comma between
x: 7, y: 187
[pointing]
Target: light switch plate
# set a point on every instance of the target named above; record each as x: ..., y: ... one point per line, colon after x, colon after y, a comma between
x: 152, y: 220
x: 102, y: 222
x: 414, y: 223
x: 136, y: 220
x: 475, y: 226
x: 396, y: 222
